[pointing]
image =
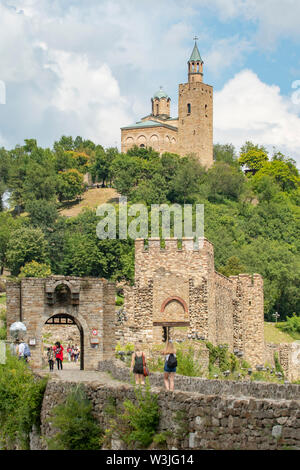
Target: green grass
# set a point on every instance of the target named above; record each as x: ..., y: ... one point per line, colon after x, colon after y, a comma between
x: 274, y: 335
x: 2, y: 299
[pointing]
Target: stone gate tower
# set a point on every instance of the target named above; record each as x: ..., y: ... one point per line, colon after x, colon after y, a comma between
x: 195, y: 113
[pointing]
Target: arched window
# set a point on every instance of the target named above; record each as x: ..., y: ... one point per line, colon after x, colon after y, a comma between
x: 189, y: 108
x: 206, y: 110
x: 142, y: 146
x: 157, y: 109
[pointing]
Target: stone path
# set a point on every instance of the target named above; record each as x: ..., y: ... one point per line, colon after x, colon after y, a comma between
x: 76, y: 375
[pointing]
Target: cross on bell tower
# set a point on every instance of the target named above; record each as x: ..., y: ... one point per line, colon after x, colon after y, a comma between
x: 195, y: 65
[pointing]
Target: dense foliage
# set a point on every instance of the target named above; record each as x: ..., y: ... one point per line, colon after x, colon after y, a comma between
x: 77, y: 429
x: 252, y: 219
x: 21, y: 395
x: 136, y: 422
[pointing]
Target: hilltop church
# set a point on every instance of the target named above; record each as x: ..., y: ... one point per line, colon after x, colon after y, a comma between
x: 189, y: 133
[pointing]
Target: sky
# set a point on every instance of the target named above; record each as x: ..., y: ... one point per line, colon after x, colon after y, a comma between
x: 73, y: 67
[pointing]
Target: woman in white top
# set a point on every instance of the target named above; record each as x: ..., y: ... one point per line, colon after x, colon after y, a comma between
x: 169, y: 372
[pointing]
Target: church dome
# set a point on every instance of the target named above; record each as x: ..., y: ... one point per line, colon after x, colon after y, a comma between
x: 160, y: 94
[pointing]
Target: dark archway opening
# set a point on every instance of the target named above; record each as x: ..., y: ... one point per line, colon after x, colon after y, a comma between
x: 65, y: 320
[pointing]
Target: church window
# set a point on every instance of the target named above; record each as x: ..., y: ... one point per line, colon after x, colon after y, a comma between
x: 189, y: 108
x: 142, y: 146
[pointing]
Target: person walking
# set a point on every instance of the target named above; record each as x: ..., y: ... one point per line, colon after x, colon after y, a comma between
x: 59, y: 355
x: 72, y: 354
x: 69, y: 351
x: 76, y: 353
x: 23, y: 351
x: 50, y: 357
x: 138, y: 361
x: 170, y: 365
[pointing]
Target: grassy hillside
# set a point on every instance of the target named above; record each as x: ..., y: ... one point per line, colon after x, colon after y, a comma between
x: 90, y: 199
x: 274, y: 335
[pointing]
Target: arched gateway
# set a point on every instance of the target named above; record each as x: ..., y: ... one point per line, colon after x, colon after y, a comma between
x: 88, y: 303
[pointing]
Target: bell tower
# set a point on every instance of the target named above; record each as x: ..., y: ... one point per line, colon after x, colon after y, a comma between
x: 195, y: 66
x: 161, y: 104
x: 195, y: 113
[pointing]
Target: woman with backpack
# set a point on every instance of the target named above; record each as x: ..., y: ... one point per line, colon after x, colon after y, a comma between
x: 58, y: 350
x: 138, y: 363
x: 170, y: 365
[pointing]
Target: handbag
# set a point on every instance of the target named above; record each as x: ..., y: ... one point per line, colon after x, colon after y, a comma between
x: 145, y: 368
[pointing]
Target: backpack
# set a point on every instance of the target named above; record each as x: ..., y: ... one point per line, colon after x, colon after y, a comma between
x: 27, y: 352
x: 172, y: 361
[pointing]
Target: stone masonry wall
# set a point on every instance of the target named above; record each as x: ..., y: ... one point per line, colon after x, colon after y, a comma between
x: 185, y: 288
x: 289, y: 358
x: 162, y: 139
x: 238, y: 389
x: 193, y: 420
x: 93, y: 309
x: 224, y: 310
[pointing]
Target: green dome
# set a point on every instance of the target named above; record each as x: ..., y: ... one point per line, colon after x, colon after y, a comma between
x: 160, y: 94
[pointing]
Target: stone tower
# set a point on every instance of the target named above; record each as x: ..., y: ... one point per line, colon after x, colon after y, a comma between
x: 195, y: 113
x: 161, y: 104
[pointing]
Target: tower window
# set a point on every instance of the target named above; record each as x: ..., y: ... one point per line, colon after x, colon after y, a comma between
x: 206, y: 110
x: 189, y: 108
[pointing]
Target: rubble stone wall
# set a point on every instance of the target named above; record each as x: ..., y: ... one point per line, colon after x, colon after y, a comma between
x: 194, y: 420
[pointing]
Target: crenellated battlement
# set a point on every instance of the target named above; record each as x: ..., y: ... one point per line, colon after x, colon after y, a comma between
x: 173, y: 244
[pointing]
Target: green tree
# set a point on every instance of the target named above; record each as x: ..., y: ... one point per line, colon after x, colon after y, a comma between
x: 253, y: 156
x: 35, y: 269
x: 25, y: 245
x: 225, y: 153
x: 7, y: 226
x: 70, y: 185
x: 225, y: 181
x: 285, y: 174
x: 42, y: 213
x: 233, y: 267
x: 186, y: 182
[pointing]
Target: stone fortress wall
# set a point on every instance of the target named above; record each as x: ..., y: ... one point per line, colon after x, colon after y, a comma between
x: 268, y: 420
x: 176, y: 287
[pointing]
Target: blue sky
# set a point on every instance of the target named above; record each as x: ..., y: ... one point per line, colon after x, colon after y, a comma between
x: 89, y: 67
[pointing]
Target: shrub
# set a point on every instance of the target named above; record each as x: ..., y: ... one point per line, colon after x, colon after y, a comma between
x: 291, y: 326
x: 35, y: 269
x: 78, y: 429
x: 187, y: 365
x: 136, y: 423
x: 21, y: 396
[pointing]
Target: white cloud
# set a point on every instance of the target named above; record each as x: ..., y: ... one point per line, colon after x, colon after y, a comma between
x: 91, y: 93
x: 274, y: 18
x: 226, y: 52
x: 248, y: 109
